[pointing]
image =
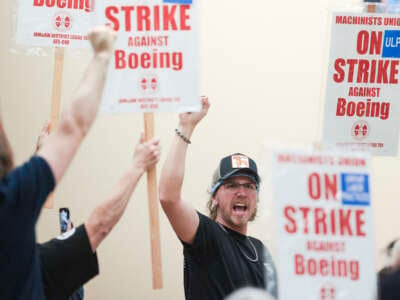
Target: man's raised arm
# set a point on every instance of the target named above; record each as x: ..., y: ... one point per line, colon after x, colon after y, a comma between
x: 181, y: 215
x: 106, y: 215
x: 62, y: 144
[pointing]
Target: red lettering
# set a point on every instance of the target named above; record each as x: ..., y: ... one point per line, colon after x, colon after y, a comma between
x: 333, y: 222
x: 351, y: 63
x: 147, y: 18
x: 363, y: 109
x: 305, y: 211
x: 70, y: 4
x: 394, y: 71
x: 61, y: 3
x: 382, y: 71
x: 360, y: 109
x: 169, y: 18
x: 351, y: 108
x: 157, y: 18
x: 314, y: 186
x: 143, y: 15
x: 323, y: 267
x: 362, y: 42
x: 120, y: 59
x: 359, y: 222
x: 330, y: 186
x: 366, y: 71
x: 341, y: 107
x: 291, y: 227
x: 376, y: 43
x: 363, y: 67
x: 340, y: 73
x: 331, y: 266
x: 110, y: 11
x: 184, y: 17
x: 299, y: 264
x: 320, y: 221
x: 128, y: 11
x: 344, y: 221
x: 145, y: 60
x: 340, y: 222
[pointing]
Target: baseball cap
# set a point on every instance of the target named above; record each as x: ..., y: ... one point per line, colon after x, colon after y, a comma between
x: 234, y: 165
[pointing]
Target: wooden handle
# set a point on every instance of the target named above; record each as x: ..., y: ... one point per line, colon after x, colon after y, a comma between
x: 55, y: 101
x: 153, y: 210
x: 371, y: 8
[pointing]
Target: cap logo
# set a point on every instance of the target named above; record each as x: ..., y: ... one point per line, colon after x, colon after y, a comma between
x: 240, y: 161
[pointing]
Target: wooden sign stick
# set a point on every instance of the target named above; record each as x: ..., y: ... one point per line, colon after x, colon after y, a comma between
x: 153, y: 210
x: 371, y: 8
x: 55, y: 100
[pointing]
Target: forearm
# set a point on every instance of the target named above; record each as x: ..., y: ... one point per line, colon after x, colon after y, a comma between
x: 104, y: 217
x: 87, y: 97
x: 173, y: 170
x: 61, y: 146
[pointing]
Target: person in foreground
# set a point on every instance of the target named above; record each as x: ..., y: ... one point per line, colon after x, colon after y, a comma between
x: 69, y: 261
x: 23, y: 190
x: 219, y: 257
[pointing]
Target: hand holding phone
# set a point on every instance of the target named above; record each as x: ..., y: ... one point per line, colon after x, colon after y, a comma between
x: 65, y: 219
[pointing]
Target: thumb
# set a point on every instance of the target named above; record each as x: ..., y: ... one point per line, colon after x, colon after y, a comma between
x: 141, y: 140
x: 47, y: 126
x: 155, y: 140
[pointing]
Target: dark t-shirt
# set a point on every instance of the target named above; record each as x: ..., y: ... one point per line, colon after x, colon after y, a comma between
x: 221, y: 260
x: 389, y: 285
x: 23, y: 192
x: 67, y: 263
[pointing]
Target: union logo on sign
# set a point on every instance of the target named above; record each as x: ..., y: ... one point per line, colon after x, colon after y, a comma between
x: 328, y: 292
x: 148, y: 84
x: 62, y: 21
x: 360, y: 130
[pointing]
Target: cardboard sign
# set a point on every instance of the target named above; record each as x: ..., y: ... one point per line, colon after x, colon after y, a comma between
x: 325, y: 226
x: 155, y: 62
x: 362, y: 106
x: 54, y: 23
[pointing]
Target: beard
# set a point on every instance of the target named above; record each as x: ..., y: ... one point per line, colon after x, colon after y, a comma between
x: 237, y: 221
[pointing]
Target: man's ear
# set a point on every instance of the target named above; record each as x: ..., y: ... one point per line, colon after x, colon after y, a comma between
x: 214, y: 201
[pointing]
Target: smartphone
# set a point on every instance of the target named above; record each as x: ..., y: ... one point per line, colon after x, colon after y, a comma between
x: 65, y: 219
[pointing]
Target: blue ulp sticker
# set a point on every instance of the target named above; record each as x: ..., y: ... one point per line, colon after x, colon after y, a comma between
x: 391, y: 44
x: 178, y: 1
x: 355, y: 189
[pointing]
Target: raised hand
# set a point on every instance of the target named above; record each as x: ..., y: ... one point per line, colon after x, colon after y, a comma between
x: 146, y: 154
x: 192, y: 118
x: 102, y: 39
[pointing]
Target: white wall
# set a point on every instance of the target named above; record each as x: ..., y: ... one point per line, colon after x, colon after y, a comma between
x: 262, y: 66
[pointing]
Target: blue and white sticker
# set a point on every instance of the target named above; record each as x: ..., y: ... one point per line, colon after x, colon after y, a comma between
x: 355, y: 189
x: 391, y: 44
x: 66, y: 235
x: 178, y: 1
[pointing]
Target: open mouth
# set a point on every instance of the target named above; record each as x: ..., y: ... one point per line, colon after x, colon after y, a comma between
x: 239, y: 207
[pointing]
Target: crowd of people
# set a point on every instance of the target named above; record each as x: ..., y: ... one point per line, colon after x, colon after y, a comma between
x: 220, y: 258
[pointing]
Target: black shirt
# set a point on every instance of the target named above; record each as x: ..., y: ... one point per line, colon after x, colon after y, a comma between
x: 23, y: 192
x: 389, y: 284
x: 221, y: 260
x: 67, y: 263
